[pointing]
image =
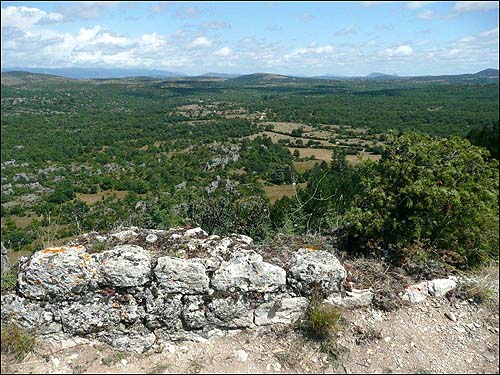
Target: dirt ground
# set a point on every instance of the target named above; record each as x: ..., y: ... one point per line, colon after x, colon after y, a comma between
x: 414, y: 339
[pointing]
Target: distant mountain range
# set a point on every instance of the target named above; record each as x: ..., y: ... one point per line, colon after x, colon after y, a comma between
x: 89, y: 73
x: 13, y: 76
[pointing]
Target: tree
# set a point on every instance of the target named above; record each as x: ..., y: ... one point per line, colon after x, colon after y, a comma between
x: 440, y: 190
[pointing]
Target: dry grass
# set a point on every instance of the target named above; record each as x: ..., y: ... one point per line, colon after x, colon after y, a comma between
x: 302, y: 166
x: 21, y: 221
x: 17, y: 342
x: 94, y: 198
x: 278, y: 191
x: 319, y: 153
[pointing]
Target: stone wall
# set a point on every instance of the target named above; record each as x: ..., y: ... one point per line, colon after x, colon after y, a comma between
x: 135, y: 288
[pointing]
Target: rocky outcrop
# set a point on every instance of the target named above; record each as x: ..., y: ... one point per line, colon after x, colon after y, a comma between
x: 154, y: 285
x: 5, y: 259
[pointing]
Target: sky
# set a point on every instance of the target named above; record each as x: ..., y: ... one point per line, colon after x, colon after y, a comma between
x: 295, y: 38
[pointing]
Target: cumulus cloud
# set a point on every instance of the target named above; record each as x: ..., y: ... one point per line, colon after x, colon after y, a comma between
x: 474, y: 6
x: 86, y: 9
x: 24, y: 18
x: 224, y: 51
x: 399, y: 51
x: 216, y: 25
x: 201, y: 41
x: 312, y: 51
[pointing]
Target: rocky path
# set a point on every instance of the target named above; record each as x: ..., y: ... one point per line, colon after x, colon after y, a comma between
x: 420, y: 338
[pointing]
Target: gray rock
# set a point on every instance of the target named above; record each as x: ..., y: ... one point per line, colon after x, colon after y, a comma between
x: 5, y: 259
x: 439, y: 287
x: 28, y: 315
x: 352, y: 299
x: 135, y: 338
x: 247, y: 272
x: 287, y: 311
x: 78, y: 318
x: 193, y: 313
x: 123, y: 266
x: 57, y: 273
x: 163, y: 310
x: 230, y: 313
x: 124, y: 235
x: 416, y: 293
x: 311, y: 269
x: 176, y: 275
x: 151, y: 238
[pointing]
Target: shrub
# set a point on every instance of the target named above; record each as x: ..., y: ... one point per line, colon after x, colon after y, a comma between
x: 17, y: 341
x: 323, y: 320
x: 440, y: 190
x: 8, y: 280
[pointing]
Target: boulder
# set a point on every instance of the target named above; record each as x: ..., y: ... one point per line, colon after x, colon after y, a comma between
x: 123, y: 266
x: 57, y: 273
x: 84, y: 318
x: 176, y: 275
x: 439, y: 287
x: 163, y: 310
x: 352, y: 299
x: 230, y: 312
x: 28, y: 315
x: 193, y: 313
x: 287, y: 311
x: 311, y: 270
x: 5, y: 259
x: 416, y: 293
x: 246, y: 271
x: 135, y: 338
x: 124, y: 235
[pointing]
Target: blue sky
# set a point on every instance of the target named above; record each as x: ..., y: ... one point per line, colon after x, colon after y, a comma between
x: 301, y: 38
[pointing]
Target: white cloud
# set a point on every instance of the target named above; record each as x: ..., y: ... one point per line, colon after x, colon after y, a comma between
x: 86, y: 9
x: 426, y: 15
x: 399, y: 51
x: 307, y: 17
x: 350, y: 30
x: 312, y: 50
x: 474, y: 6
x: 418, y: 4
x: 24, y: 18
x: 224, y: 51
x: 201, y: 41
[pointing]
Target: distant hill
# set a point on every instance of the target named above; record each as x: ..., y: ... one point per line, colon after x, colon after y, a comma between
x: 264, y: 78
x: 490, y: 73
x: 219, y: 75
x: 377, y: 75
x: 89, y: 73
x: 19, y: 78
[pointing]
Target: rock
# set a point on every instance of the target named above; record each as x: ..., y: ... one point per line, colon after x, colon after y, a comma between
x: 193, y: 314
x: 57, y: 273
x: 230, y: 313
x: 136, y: 338
x: 196, y: 232
x: 5, y: 259
x: 287, y: 311
x: 450, y: 316
x: 123, y: 266
x: 439, y: 287
x: 416, y: 293
x: 28, y: 315
x: 78, y: 318
x: 163, y: 310
x: 101, y: 238
x: 353, y: 299
x: 241, y: 355
x: 151, y: 238
x: 316, y: 269
x: 127, y: 234
x: 247, y: 272
x: 176, y: 275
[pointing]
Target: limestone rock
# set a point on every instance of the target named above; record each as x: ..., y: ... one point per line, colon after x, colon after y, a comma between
x: 176, y: 275
x: 439, y: 287
x: 123, y: 266
x: 312, y: 269
x: 28, y: 315
x: 78, y: 318
x: 57, y: 273
x: 353, y: 299
x: 5, y: 260
x: 124, y: 235
x: 230, y: 313
x: 416, y: 293
x: 247, y: 272
x: 163, y: 310
x: 287, y: 311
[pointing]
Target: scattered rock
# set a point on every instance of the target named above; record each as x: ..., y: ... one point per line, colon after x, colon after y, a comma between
x: 450, y: 316
x: 241, y: 355
x: 439, y: 287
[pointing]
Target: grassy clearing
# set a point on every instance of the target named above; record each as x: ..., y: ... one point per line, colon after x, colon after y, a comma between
x: 21, y: 221
x: 276, y: 192
x: 302, y: 166
x: 319, y: 153
x: 94, y: 198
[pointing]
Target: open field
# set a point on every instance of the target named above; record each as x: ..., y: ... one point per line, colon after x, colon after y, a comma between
x: 302, y: 166
x: 276, y: 192
x: 94, y: 198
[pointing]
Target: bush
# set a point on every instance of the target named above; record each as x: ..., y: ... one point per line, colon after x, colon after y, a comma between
x: 323, y: 320
x: 442, y: 191
x: 8, y: 280
x: 17, y: 341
